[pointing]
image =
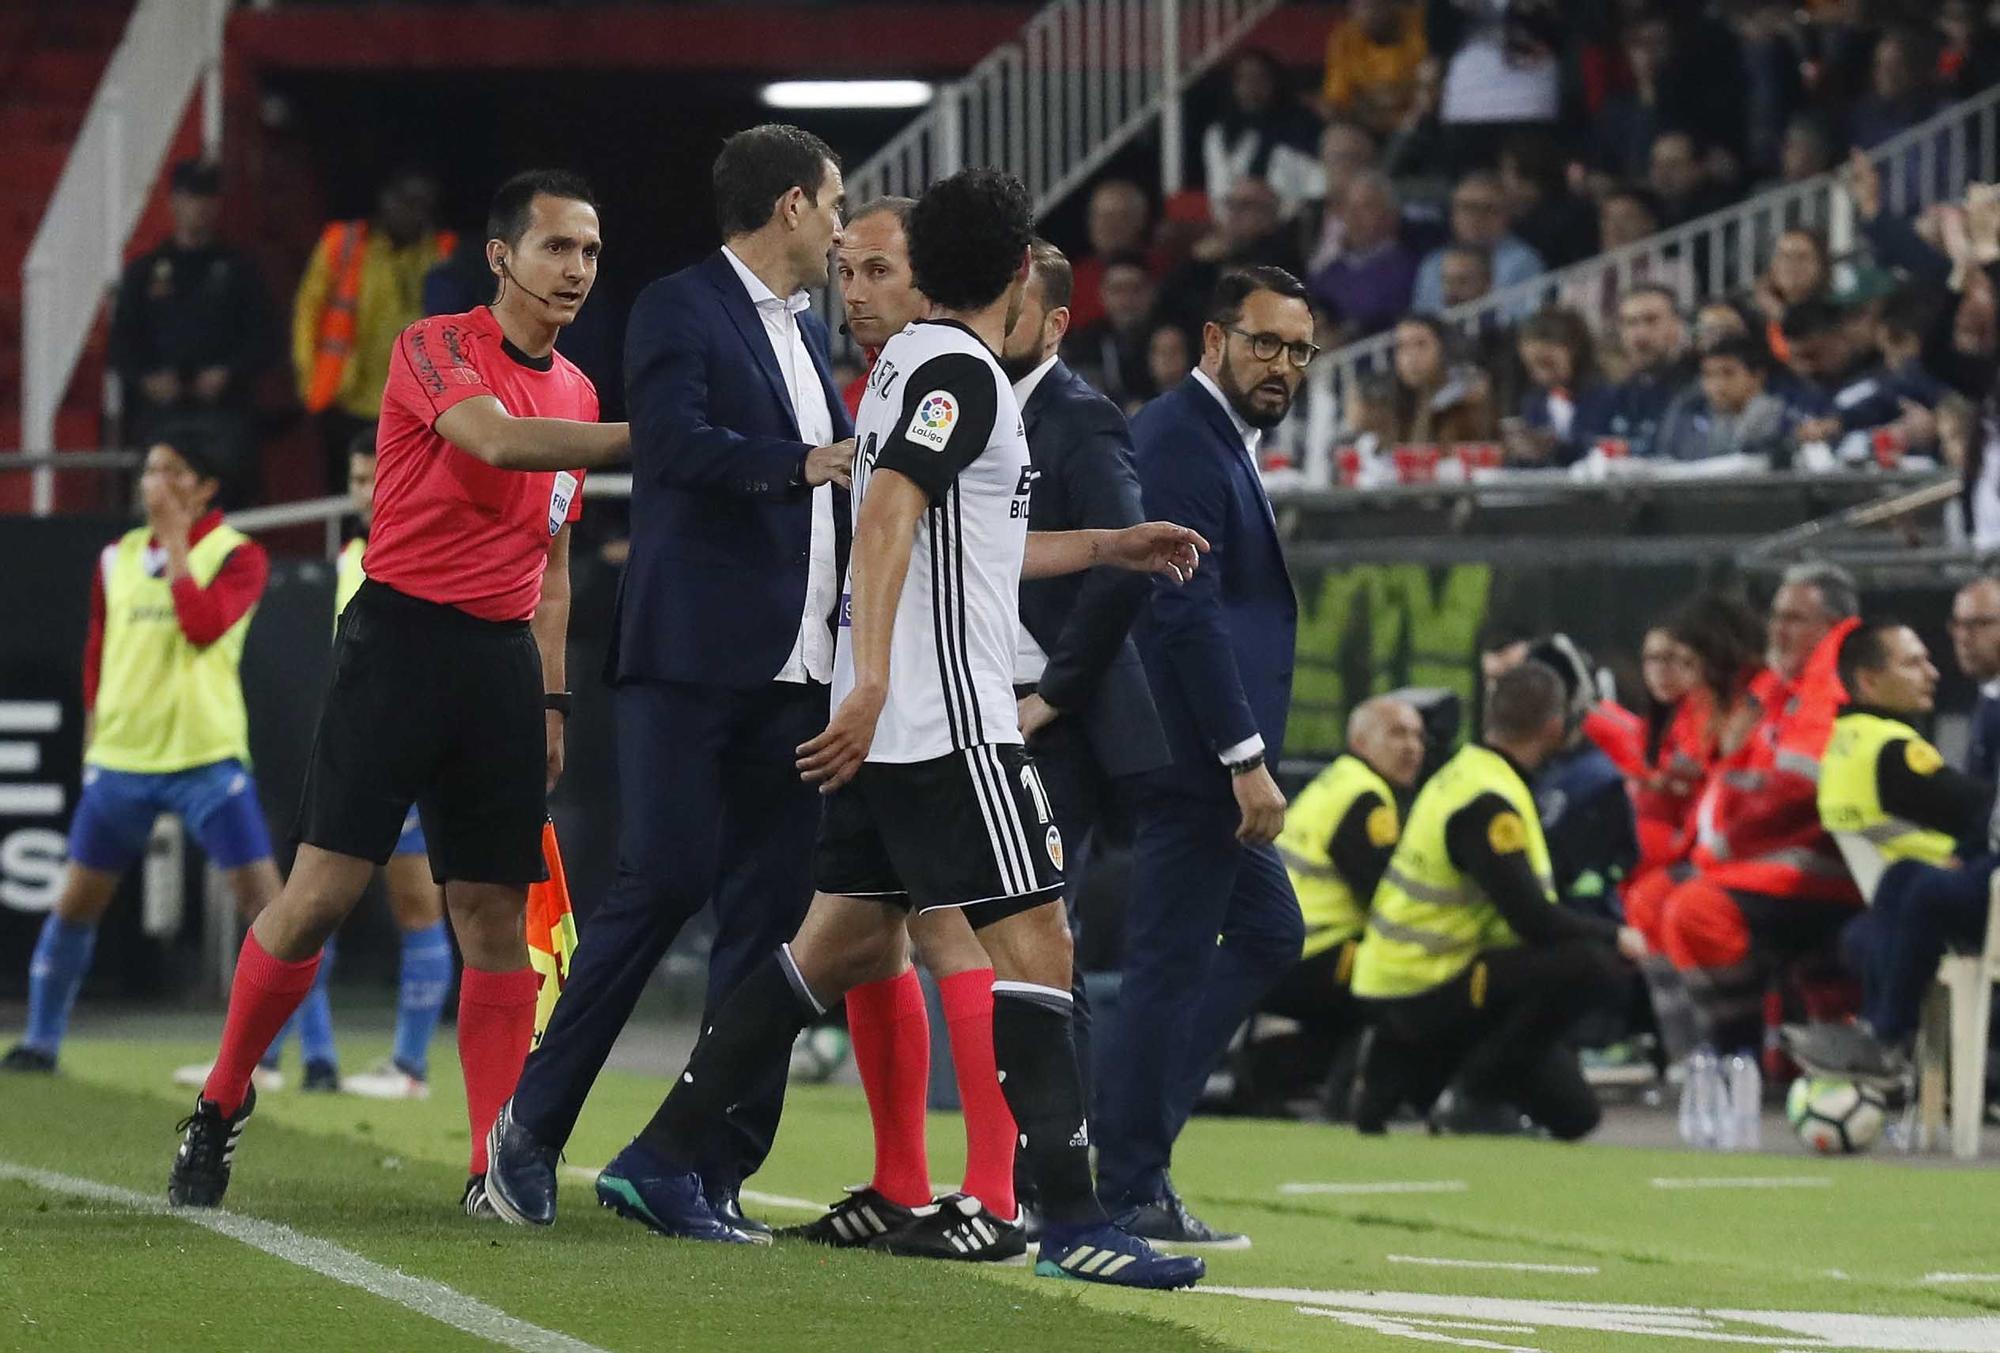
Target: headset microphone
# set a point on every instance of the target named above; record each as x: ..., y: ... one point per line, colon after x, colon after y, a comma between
x: 509, y: 273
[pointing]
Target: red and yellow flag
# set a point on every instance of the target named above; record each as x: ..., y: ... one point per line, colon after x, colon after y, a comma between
x: 551, y: 931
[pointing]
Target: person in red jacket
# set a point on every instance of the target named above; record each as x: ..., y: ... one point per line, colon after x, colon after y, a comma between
x: 1765, y: 882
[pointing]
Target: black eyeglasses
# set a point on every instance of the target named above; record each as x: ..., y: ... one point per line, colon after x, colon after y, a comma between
x: 1266, y: 347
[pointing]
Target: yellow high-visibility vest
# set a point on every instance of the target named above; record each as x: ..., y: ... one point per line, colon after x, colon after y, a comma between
x: 348, y: 577
x: 1430, y: 919
x: 1850, y: 799
x: 1326, y: 899
x: 163, y: 704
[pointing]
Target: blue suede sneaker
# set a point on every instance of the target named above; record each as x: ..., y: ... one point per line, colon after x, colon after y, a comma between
x: 665, y: 1201
x: 1101, y: 1253
x: 520, y: 1173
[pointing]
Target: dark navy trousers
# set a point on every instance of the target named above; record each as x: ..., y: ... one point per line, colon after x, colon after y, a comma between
x: 710, y: 807
x: 1917, y: 914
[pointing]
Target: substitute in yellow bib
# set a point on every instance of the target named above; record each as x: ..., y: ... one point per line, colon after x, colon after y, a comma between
x: 1339, y: 833
x: 166, y: 731
x: 1913, y: 832
x: 1468, y: 967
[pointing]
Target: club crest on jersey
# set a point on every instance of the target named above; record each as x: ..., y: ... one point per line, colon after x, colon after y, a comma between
x: 1054, y: 842
x: 931, y: 425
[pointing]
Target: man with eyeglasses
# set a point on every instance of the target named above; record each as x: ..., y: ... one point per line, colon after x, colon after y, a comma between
x: 1213, y: 923
x: 1975, y: 643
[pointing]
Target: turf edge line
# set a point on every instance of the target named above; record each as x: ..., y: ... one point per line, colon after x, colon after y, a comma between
x: 425, y: 1296
x: 1743, y: 1182
x: 1372, y: 1186
x: 1511, y: 1266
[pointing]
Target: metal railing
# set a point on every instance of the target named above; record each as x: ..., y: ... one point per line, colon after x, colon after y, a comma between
x: 1082, y: 79
x: 1715, y: 255
x: 170, y: 48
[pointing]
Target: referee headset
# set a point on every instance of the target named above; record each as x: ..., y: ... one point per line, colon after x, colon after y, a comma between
x: 507, y: 275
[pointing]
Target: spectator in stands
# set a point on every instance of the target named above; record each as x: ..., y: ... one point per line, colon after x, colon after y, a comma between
x: 1438, y: 401
x: 1965, y: 447
x: 1968, y: 51
x: 1975, y: 644
x: 362, y: 287
x: 1903, y: 321
x: 1566, y: 395
x: 1728, y: 412
x: 1479, y: 221
x: 1501, y: 73
x: 1679, y: 178
x: 1800, y: 269
x: 1546, y: 215
x: 1169, y: 357
x: 1716, y: 320
x: 1655, y: 348
x: 1367, y: 287
x: 1372, y: 57
x: 1346, y: 151
x: 1119, y: 223
x: 1686, y: 77
x: 1626, y: 216
x: 1808, y: 149
x: 1465, y: 275
x: 1111, y: 353
x: 1898, y: 96
x: 190, y: 330
x: 1263, y: 133
x: 1249, y: 230
x: 1854, y: 394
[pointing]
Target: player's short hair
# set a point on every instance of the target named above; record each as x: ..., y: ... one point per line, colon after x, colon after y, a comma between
x: 1865, y: 650
x: 362, y: 443
x: 967, y: 235
x: 1052, y: 275
x: 1524, y: 701
x: 1745, y: 348
x: 1238, y: 285
x: 759, y: 165
x: 898, y: 207
x: 1834, y: 584
x: 513, y: 207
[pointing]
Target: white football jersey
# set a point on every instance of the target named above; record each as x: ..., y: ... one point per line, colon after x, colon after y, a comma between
x: 939, y: 409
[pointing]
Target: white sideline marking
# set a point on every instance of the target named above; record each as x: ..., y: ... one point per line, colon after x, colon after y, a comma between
x: 1778, y: 1181
x: 425, y: 1296
x: 1584, y: 1270
x: 1420, y: 1315
x: 761, y: 1199
x: 1962, y: 1277
x: 1368, y: 1186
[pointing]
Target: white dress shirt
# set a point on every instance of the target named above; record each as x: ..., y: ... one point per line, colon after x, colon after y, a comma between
x: 1254, y: 744
x: 811, y: 658
x: 1029, y: 659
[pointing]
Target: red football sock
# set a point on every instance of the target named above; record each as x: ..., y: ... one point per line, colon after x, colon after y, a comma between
x: 891, y: 1033
x: 262, y: 997
x: 496, y: 1022
x: 989, y: 1124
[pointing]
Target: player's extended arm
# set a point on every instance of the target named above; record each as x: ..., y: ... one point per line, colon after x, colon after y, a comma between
x: 1150, y: 547
x: 883, y: 538
x: 551, y: 630
x: 482, y: 427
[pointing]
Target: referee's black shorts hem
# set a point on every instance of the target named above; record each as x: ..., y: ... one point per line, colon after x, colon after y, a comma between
x: 431, y: 706
x: 970, y: 830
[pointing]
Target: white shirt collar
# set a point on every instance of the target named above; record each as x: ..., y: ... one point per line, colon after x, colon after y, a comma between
x: 1251, y: 436
x: 1991, y: 689
x: 762, y: 296
x: 1024, y: 388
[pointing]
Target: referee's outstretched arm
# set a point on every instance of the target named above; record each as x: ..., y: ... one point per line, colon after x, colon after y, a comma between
x: 480, y: 426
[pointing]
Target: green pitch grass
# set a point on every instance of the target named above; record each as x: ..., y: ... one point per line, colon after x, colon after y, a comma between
x: 1599, y: 1256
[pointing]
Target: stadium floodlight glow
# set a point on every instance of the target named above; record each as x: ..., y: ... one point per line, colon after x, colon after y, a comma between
x: 847, y: 94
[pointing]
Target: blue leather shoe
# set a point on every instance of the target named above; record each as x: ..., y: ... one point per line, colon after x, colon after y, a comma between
x: 520, y: 1173
x: 1101, y: 1253
x: 665, y: 1201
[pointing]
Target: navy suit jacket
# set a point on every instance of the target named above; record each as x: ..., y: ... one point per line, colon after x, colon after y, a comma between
x: 1218, y: 650
x: 1082, y: 453
x: 716, y: 580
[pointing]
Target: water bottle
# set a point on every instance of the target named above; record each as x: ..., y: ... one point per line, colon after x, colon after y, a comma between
x: 1722, y: 1073
x: 1746, y: 1101
x: 1698, y: 1113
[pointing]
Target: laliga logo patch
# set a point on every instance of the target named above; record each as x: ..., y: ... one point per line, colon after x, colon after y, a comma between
x: 931, y: 425
x: 1054, y: 842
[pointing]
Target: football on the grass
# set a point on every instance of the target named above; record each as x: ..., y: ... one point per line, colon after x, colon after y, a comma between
x: 1835, y: 1117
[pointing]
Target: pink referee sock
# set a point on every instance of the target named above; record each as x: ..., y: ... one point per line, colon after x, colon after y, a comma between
x: 262, y: 997
x: 496, y: 1022
x: 891, y: 1033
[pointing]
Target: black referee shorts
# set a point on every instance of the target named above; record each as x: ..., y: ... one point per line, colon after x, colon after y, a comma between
x: 431, y: 706
x: 972, y: 829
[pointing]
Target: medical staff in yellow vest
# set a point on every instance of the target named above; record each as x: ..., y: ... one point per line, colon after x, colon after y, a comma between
x: 166, y: 730
x: 1469, y: 969
x: 1337, y: 839
x: 1914, y: 834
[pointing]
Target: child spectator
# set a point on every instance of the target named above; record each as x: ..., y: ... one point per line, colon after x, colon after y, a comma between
x: 1729, y: 412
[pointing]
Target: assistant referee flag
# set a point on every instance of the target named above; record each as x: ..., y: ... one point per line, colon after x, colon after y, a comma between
x: 551, y: 931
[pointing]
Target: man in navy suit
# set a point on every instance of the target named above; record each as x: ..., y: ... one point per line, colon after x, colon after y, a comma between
x: 722, y: 649
x: 1213, y: 922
